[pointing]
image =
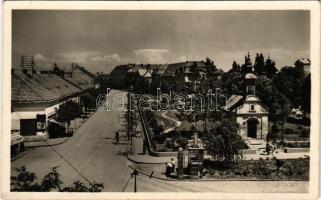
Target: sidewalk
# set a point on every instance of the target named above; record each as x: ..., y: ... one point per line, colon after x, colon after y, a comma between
x: 48, y: 142
x: 74, y: 125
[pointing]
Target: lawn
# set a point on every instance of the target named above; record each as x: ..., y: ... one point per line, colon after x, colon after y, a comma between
x: 165, y: 122
x: 293, y: 132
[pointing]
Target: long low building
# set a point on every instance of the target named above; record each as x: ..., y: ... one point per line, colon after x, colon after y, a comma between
x: 36, y: 96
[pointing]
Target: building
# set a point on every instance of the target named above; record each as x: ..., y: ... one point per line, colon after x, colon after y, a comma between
x: 304, y: 63
x: 252, y: 118
x: 183, y: 71
x: 36, y: 97
x: 250, y: 114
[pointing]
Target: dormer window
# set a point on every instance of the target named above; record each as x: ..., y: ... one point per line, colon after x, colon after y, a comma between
x: 252, y: 108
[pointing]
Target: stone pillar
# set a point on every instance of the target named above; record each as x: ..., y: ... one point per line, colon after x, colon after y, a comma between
x: 180, y: 163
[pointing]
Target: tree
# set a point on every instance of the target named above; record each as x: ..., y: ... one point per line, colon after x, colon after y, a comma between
x: 25, y: 181
x: 270, y: 68
x: 259, y: 66
x: 224, y: 145
x: 210, y: 67
x: 68, y: 111
x: 235, y: 67
x: 88, y: 101
x: 306, y: 87
x: 232, y: 83
x: 195, y: 75
x: 289, y: 81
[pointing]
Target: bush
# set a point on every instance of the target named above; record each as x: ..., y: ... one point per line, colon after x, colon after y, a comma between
x: 25, y: 181
x: 55, y: 130
x: 288, y: 131
x: 304, y: 133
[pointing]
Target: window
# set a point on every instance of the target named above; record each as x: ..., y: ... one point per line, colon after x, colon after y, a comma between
x: 252, y: 107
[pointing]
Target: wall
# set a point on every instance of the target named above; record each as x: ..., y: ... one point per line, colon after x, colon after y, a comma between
x: 262, y: 126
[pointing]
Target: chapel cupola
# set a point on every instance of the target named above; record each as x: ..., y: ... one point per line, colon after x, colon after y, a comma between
x: 250, y: 80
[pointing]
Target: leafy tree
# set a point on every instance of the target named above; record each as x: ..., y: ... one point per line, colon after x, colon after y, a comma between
x: 232, y: 83
x: 68, y: 111
x: 270, y: 68
x: 235, y: 67
x: 88, y: 101
x: 289, y: 81
x: 195, y: 75
x: 259, y: 66
x: 306, y: 90
x: 25, y: 181
x: 224, y: 145
x: 210, y: 67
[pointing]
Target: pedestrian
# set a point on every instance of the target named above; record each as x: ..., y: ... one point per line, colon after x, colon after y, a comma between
x: 267, y: 148
x: 168, y: 169
x: 173, y: 165
x: 117, y: 136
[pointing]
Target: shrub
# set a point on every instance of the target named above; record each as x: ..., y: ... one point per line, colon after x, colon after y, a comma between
x: 288, y: 131
x: 25, y: 181
x: 305, y: 133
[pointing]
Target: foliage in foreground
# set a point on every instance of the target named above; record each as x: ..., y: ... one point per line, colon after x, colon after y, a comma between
x: 224, y: 145
x: 25, y: 181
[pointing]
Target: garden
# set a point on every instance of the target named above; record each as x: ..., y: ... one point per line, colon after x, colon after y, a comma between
x: 262, y: 169
x: 293, y: 135
x: 170, y: 130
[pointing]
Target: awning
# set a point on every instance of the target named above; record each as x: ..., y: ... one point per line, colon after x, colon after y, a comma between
x: 26, y: 115
x: 54, y: 121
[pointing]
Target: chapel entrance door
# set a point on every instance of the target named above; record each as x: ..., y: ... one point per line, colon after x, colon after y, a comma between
x: 252, y: 127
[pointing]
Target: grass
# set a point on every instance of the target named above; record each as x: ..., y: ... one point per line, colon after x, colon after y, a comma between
x: 293, y: 132
x: 167, y: 123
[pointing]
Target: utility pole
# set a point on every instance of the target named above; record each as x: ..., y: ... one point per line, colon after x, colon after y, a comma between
x: 129, y: 121
x: 135, y: 173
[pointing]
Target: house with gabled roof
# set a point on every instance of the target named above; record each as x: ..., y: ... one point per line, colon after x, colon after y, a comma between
x: 36, y: 97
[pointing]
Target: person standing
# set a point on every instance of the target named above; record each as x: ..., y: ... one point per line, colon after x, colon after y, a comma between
x: 173, y: 165
x: 117, y: 136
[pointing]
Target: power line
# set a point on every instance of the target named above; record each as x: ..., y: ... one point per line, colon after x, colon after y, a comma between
x: 126, y: 184
x: 61, y: 156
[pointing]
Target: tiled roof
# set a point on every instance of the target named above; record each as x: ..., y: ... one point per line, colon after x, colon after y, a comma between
x: 183, y: 66
x: 171, y: 70
x: 234, y: 99
x: 21, y: 92
x: 40, y: 87
x: 80, y: 79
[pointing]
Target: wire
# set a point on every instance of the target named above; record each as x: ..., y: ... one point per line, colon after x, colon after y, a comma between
x: 127, y: 183
x: 61, y: 156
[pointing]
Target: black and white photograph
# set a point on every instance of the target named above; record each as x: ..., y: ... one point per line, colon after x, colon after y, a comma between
x: 162, y: 100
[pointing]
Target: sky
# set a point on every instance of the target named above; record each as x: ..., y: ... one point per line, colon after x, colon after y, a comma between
x: 100, y: 40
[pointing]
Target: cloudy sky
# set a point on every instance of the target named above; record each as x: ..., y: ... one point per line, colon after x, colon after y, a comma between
x: 100, y: 40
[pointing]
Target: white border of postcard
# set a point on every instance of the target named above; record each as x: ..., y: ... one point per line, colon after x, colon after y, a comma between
x: 313, y: 6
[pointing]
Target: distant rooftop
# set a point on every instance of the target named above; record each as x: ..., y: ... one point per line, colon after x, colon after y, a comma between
x: 304, y: 61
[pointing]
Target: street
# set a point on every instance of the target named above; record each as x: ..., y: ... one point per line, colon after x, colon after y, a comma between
x: 91, y: 154
x: 90, y: 151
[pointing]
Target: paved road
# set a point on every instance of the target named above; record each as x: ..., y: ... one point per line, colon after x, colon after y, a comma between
x: 91, y: 151
x: 145, y: 184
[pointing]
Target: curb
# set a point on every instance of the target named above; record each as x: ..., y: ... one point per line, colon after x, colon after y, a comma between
x: 142, y: 162
x: 47, y: 144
